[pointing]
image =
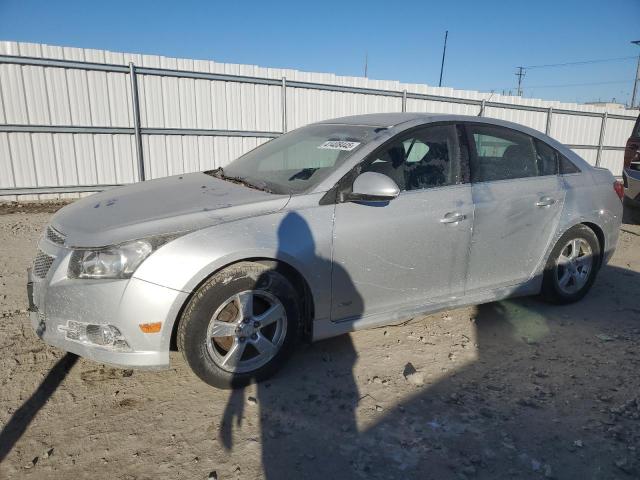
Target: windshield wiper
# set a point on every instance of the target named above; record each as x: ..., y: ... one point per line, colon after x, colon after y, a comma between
x: 219, y: 173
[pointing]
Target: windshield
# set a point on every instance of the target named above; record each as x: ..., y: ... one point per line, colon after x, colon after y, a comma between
x: 299, y: 160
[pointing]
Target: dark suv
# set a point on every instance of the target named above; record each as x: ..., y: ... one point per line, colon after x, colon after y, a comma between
x: 631, y: 171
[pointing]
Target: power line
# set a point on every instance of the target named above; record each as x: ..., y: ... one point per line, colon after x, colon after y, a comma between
x: 562, y: 85
x: 635, y: 78
x: 521, y: 72
x: 583, y: 62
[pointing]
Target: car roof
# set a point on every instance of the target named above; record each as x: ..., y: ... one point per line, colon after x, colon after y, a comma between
x: 400, y: 120
x: 382, y: 119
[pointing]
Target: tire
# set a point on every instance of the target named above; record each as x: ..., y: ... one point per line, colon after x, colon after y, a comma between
x: 215, y: 325
x: 567, y: 278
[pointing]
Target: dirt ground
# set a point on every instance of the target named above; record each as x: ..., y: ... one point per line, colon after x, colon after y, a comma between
x: 514, y: 389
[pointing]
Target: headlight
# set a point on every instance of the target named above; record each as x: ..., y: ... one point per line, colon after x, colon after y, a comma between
x: 119, y: 261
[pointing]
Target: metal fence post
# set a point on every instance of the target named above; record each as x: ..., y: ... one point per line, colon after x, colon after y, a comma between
x: 603, y: 126
x: 135, y: 102
x: 284, y: 104
x: 547, y: 129
x: 404, y: 100
x: 482, y: 105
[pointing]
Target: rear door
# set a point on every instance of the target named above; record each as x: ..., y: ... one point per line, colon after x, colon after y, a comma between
x: 518, y: 199
x: 413, y: 249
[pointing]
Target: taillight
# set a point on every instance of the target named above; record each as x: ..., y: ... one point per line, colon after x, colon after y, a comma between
x: 619, y: 189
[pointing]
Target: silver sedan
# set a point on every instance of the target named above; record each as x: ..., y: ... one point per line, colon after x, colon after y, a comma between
x: 337, y: 226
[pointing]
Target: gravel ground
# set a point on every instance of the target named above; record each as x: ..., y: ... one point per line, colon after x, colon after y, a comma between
x: 514, y: 389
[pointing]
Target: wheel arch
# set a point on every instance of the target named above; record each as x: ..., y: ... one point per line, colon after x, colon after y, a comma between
x: 297, y: 279
x: 594, y: 227
x: 599, y: 233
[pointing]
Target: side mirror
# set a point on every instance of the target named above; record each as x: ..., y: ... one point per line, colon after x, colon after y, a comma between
x: 372, y: 187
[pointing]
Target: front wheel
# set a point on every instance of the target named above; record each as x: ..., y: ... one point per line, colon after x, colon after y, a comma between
x: 240, y: 325
x: 572, y: 266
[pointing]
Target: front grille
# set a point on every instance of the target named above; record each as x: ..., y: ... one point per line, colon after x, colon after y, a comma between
x: 54, y: 236
x: 42, y: 264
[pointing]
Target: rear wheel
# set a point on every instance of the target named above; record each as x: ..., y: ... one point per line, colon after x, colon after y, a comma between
x: 572, y: 266
x: 240, y: 326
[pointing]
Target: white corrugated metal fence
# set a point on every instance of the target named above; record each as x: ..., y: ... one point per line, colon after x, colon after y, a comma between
x: 68, y: 122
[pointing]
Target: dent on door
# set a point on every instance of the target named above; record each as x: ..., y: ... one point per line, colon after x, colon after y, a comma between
x: 410, y: 251
x: 515, y: 221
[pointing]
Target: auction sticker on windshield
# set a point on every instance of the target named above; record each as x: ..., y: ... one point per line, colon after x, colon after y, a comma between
x: 339, y: 145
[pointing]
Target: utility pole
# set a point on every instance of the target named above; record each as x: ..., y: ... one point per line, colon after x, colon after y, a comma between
x: 520, y: 74
x: 444, y: 52
x: 636, y: 78
x: 366, y: 64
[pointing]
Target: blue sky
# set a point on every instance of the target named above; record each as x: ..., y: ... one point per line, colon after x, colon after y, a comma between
x: 487, y: 39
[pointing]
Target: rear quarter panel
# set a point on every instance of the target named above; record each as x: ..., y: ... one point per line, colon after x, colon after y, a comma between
x: 590, y: 198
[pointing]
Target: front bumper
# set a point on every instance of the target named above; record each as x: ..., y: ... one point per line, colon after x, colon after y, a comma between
x: 55, y: 300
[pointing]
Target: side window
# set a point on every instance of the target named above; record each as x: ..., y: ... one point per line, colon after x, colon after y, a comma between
x: 567, y: 166
x: 501, y: 154
x: 547, y: 158
x: 416, y: 149
x: 426, y: 158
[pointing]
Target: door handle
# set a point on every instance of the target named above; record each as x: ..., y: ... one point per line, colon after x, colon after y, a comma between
x: 545, y: 202
x: 453, y: 217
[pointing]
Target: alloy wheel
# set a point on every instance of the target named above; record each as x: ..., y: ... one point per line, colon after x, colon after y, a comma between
x: 574, y: 266
x: 246, y: 331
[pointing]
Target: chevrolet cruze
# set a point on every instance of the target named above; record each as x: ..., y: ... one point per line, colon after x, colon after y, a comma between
x: 337, y: 226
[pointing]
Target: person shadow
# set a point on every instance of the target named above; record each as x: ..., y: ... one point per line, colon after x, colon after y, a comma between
x: 307, y: 411
x: 17, y: 425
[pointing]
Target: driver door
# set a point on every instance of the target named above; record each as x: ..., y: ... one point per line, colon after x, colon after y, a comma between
x: 413, y: 249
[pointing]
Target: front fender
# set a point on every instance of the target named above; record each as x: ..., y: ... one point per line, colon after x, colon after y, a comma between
x: 301, y: 238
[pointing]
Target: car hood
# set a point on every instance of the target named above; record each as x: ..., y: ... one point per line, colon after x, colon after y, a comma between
x: 168, y: 205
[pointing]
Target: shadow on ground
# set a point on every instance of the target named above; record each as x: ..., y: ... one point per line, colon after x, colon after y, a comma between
x: 23, y: 416
x: 631, y: 216
x: 543, y: 399
x: 550, y: 392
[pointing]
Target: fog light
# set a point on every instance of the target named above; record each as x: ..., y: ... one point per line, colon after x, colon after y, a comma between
x: 101, y: 335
